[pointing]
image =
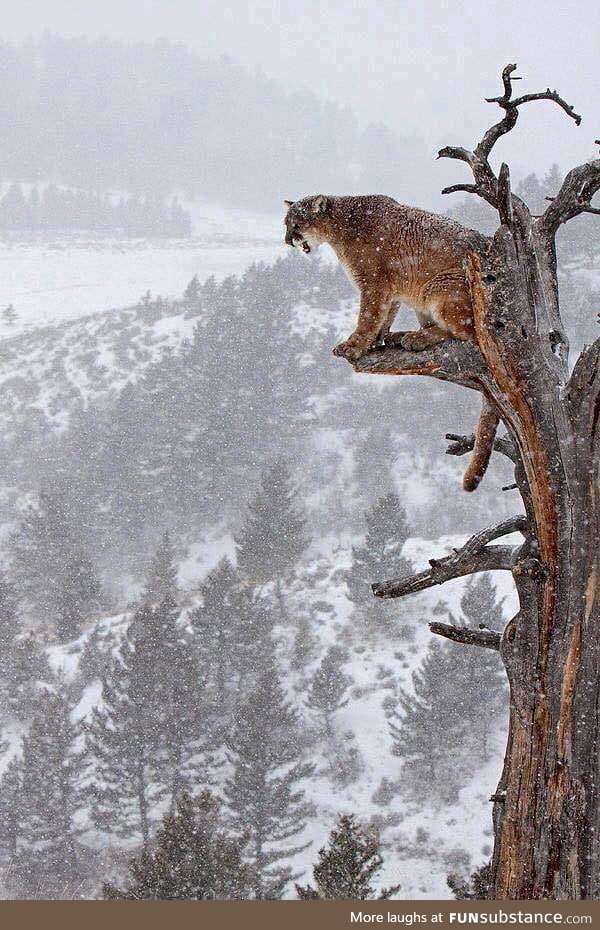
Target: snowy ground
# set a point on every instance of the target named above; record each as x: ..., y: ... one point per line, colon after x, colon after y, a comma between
x: 422, y: 843
x: 54, y: 278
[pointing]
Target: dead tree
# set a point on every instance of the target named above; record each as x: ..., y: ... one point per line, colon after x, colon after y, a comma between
x: 547, y: 805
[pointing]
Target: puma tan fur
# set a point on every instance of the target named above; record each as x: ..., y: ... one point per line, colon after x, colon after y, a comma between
x: 397, y: 255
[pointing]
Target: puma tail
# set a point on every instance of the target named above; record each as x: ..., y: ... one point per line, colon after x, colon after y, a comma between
x: 484, y: 444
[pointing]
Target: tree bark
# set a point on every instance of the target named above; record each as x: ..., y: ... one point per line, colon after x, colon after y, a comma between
x: 547, y: 805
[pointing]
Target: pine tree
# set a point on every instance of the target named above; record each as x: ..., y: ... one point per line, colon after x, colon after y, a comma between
x: 478, y: 888
x: 305, y: 644
x: 10, y: 315
x: 263, y: 793
x: 193, y: 859
x: 379, y: 557
x: 191, y: 296
x: 79, y: 594
x: 221, y: 641
x: 9, y: 626
x: 479, y: 604
x: 11, y: 799
x: 24, y: 673
x: 51, y: 795
x: 430, y: 728
x: 347, y: 867
x: 373, y: 463
x: 144, y: 734
x: 48, y: 555
x: 483, y: 676
x: 329, y: 686
x: 272, y: 538
x: 162, y: 575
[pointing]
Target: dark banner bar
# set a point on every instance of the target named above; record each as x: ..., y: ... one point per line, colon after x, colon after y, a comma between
x: 295, y: 915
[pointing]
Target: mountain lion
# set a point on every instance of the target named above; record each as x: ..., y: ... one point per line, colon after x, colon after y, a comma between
x: 396, y: 254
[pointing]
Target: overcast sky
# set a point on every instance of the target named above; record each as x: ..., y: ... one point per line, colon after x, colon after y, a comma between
x: 423, y: 66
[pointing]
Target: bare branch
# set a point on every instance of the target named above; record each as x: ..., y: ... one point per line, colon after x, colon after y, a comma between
x: 549, y: 95
x: 486, y: 559
x: 460, y: 445
x: 465, y: 188
x: 475, y: 556
x: 496, y: 191
x: 486, y: 639
x: 573, y: 198
x: 451, y: 360
x: 511, y: 108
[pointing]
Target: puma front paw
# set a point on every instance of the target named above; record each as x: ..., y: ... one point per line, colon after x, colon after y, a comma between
x: 351, y: 350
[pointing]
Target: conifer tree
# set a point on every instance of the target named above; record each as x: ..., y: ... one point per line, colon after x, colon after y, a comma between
x: 162, y: 575
x: 379, y: 557
x: 79, y: 593
x: 263, y: 793
x: 273, y: 536
x: 481, y: 670
x: 48, y: 555
x: 347, y: 866
x: 329, y: 686
x: 479, y: 886
x: 218, y: 641
x: 141, y: 738
x: 193, y: 859
x: 191, y: 295
x: 10, y: 315
x: 480, y: 605
x: 305, y: 643
x: 9, y: 626
x: 233, y: 642
x: 25, y: 670
x: 373, y: 462
x: 11, y: 800
x: 430, y: 726
x: 51, y: 795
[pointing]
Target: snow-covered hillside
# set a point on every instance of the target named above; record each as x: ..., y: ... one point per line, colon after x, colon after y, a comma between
x: 423, y: 840
x: 52, y: 278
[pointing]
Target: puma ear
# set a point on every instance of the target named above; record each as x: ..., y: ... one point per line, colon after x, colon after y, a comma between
x: 288, y: 203
x: 319, y: 204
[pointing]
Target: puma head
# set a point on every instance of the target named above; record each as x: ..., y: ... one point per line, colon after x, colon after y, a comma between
x: 304, y: 222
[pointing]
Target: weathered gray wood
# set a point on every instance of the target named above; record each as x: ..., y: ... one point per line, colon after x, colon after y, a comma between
x: 547, y: 810
x: 485, y: 639
x: 475, y: 556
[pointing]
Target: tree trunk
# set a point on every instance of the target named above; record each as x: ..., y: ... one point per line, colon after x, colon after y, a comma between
x: 547, y: 806
x: 547, y: 821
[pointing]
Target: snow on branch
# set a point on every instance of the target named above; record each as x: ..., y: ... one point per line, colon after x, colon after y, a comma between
x: 475, y: 556
x: 487, y: 639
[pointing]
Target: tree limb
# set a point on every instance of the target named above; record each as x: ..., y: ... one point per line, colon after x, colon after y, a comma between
x: 496, y: 191
x: 460, y: 445
x: 487, y: 639
x: 573, y: 198
x: 475, y: 556
x: 451, y: 360
x: 486, y: 559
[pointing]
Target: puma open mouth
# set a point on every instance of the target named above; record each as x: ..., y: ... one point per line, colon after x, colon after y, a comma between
x: 305, y: 246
